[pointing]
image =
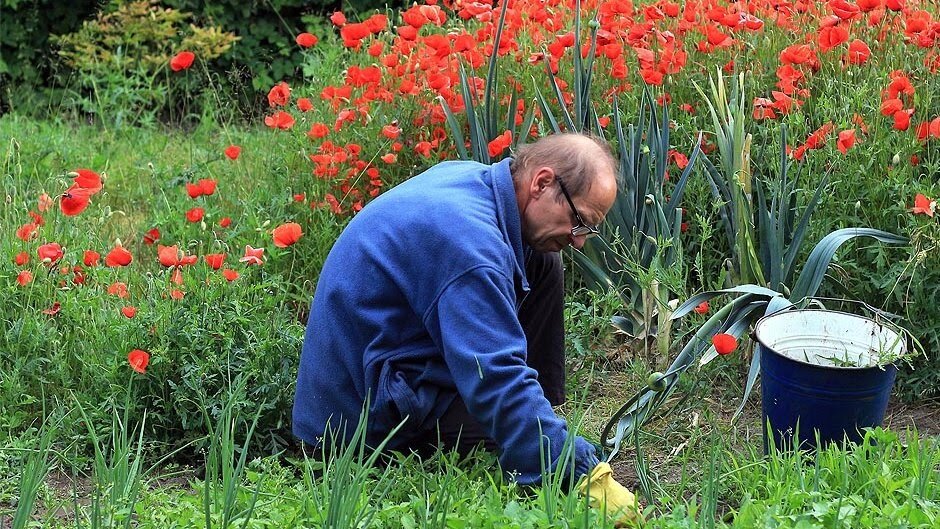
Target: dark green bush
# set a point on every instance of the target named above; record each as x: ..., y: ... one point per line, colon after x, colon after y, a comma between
x: 26, y: 66
x: 31, y: 77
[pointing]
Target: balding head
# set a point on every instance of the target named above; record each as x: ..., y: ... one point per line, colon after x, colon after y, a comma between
x: 588, y: 171
x: 576, y: 158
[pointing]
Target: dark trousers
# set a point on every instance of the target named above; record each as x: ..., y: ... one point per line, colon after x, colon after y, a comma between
x: 542, y: 317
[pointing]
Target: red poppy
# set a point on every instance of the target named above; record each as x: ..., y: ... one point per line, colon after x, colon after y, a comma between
x: 177, y: 276
x: 391, y: 131
x: 500, y: 143
x: 21, y: 258
x: 819, y: 137
x: 725, y: 344
x: 195, y: 214
x: 833, y: 36
x: 702, y: 308
x: 27, y: 232
x: 902, y: 119
x: 279, y: 95
x: 306, y: 40
x: 193, y: 190
x: 225, y: 222
x: 45, y: 202
x: 300, y: 197
x: 24, y: 278
x: 230, y: 275
x: 304, y: 104
x: 215, y: 260
x: 253, y: 256
x: 890, y: 106
x: 152, y: 236
x: 53, y: 310
x: 182, y: 60
x: 88, y: 180
x: 895, y: 5
x: 129, y: 311
x: 138, y: 360
x: 423, y: 148
x: 868, y: 5
x: 338, y: 19
x: 74, y: 200
x: 764, y: 109
x: 118, y: 256
x: 232, y: 152
x: 177, y: 294
x: 843, y: 9
x: 91, y: 257
x: 924, y: 205
x: 287, y: 234
x: 279, y: 120
x: 859, y: 52
x: 50, y: 253
x: 207, y: 185
x: 318, y: 130
x: 846, y: 140
x: 118, y: 289
x: 168, y: 255
x: 78, y: 275
x: 389, y: 158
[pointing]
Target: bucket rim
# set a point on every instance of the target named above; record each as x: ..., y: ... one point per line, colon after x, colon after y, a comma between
x: 880, y: 366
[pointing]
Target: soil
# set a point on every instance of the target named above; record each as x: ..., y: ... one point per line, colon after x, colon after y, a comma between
x: 688, y: 424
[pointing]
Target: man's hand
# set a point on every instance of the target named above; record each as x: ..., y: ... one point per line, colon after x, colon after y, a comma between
x: 606, y: 493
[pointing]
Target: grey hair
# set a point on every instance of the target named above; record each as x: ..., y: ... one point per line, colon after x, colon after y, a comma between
x: 575, y: 158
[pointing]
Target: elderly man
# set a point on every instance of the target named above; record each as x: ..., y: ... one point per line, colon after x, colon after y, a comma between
x: 441, y: 305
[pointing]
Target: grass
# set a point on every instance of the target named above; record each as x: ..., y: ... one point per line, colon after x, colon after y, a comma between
x: 702, y: 472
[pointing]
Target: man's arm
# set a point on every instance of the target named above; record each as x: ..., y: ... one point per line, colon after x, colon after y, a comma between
x: 474, y: 322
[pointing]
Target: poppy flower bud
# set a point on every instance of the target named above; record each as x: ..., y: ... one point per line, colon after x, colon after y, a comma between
x: 649, y: 200
x: 656, y: 381
x: 896, y: 159
x: 725, y: 344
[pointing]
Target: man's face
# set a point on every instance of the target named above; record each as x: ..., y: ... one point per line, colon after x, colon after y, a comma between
x: 548, y: 219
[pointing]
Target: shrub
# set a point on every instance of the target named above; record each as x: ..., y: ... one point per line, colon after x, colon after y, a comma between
x: 120, y: 60
x: 26, y: 69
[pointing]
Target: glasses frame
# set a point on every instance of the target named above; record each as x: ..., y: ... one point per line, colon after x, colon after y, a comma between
x: 581, y: 229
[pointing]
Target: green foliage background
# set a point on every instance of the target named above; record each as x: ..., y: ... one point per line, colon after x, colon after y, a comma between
x: 31, y: 79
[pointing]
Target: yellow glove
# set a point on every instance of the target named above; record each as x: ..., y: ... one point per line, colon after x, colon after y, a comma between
x: 606, y: 493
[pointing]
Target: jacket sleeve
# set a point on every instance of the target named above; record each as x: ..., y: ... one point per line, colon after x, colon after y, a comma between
x: 475, y: 324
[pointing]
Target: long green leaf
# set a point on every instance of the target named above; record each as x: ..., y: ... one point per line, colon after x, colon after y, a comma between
x: 818, y: 261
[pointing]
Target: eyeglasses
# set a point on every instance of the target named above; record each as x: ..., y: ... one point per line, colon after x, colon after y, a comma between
x: 580, y: 229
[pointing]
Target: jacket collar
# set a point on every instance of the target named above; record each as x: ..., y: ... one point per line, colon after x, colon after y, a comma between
x: 507, y: 212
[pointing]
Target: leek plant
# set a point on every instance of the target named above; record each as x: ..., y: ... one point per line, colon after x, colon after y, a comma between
x: 36, y: 466
x: 118, y: 467
x: 640, y: 234
x: 344, y: 485
x: 225, y: 471
x: 766, y: 231
x: 483, y: 113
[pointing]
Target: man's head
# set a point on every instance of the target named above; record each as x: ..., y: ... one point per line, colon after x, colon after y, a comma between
x: 545, y: 171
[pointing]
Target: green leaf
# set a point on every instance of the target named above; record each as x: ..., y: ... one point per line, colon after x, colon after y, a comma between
x: 818, y: 261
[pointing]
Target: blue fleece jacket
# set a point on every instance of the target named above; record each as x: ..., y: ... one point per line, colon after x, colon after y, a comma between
x: 417, y: 302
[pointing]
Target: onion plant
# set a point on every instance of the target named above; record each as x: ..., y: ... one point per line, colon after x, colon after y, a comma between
x: 36, y: 466
x: 766, y: 233
x: 225, y: 471
x: 346, y: 482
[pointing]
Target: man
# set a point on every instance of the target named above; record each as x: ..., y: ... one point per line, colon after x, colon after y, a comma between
x: 442, y: 304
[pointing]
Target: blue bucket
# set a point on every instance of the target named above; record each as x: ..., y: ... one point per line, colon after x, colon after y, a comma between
x: 824, y: 373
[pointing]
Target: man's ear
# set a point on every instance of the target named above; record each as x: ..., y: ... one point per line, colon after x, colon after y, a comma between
x: 542, y: 179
